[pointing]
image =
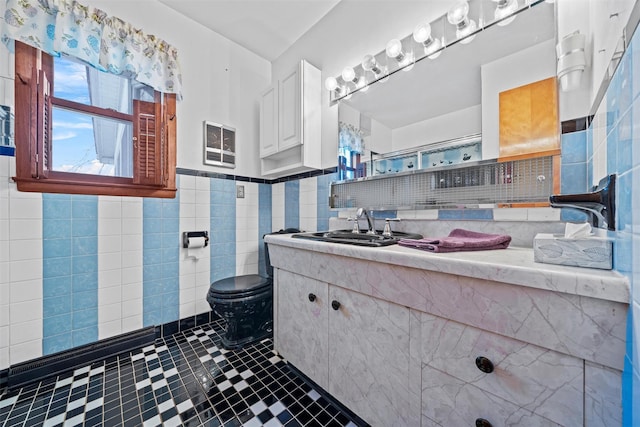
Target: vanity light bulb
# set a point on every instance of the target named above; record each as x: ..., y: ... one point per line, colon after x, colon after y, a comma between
x: 331, y: 83
x: 458, y: 13
x: 348, y: 74
x: 433, y: 50
x: 394, y: 49
x: 463, y: 33
x: 362, y: 84
x: 422, y: 33
x: 504, y: 9
x: 369, y: 64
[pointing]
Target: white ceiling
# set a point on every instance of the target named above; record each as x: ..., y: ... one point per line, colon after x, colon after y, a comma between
x: 265, y: 27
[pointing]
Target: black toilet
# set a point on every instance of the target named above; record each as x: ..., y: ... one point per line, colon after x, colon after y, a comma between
x: 245, y: 304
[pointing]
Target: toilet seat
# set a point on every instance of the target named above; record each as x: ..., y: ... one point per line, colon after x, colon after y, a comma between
x: 239, y: 286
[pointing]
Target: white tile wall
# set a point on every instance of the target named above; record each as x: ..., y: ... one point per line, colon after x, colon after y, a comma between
x: 195, y: 211
x: 109, y: 265
x: 277, y: 206
x: 119, y: 265
x: 131, y: 273
x: 309, y: 204
x: 21, y: 277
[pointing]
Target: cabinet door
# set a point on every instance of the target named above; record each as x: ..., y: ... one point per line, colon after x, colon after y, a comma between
x: 290, y: 110
x: 369, y: 357
x: 542, y: 381
x: 448, y: 401
x: 529, y: 121
x: 269, y: 122
x: 302, y: 324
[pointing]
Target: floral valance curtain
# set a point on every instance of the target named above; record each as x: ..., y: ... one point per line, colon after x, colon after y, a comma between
x: 350, y: 139
x: 89, y: 34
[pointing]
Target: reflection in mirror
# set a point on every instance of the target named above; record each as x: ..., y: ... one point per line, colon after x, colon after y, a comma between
x: 453, y: 96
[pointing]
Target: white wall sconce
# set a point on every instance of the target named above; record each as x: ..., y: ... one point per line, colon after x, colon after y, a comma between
x: 458, y: 16
x: 404, y: 59
x: 422, y: 34
x: 435, y: 36
x: 571, y: 61
x: 504, y: 11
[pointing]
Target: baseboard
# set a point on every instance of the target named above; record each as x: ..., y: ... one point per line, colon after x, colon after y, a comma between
x: 37, y: 369
x: 34, y: 370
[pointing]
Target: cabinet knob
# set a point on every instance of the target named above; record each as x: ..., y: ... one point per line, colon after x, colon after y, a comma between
x: 484, y: 365
x: 481, y: 422
x: 312, y: 297
x: 335, y: 305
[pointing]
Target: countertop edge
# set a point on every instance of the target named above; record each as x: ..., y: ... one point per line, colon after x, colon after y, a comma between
x: 512, y: 265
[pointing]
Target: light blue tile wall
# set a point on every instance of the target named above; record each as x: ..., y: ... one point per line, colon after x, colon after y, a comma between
x: 223, y: 228
x: 623, y: 158
x: 264, y: 223
x: 70, y: 271
x: 456, y: 214
x: 573, y: 171
x: 292, y: 204
x: 160, y: 261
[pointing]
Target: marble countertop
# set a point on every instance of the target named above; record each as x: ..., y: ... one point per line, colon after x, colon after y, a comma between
x: 512, y: 265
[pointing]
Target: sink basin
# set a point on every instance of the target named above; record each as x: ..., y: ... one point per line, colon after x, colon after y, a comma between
x: 359, y: 239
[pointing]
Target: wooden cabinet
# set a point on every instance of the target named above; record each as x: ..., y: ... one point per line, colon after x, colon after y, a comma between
x: 354, y: 346
x: 529, y: 121
x: 290, y: 123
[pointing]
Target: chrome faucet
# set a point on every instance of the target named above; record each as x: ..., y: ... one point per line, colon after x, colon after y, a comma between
x: 599, y: 204
x: 362, y: 211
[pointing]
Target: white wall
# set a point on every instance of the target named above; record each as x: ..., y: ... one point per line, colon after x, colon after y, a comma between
x: 221, y: 81
x: 530, y: 65
x: 441, y: 128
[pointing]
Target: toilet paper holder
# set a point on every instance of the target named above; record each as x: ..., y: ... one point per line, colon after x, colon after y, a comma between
x: 187, y: 234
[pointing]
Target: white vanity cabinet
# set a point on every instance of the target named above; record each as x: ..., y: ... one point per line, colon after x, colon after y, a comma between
x: 401, y: 348
x: 290, y: 122
x: 354, y: 346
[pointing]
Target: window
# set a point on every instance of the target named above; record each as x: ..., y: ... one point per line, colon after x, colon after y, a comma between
x: 83, y: 131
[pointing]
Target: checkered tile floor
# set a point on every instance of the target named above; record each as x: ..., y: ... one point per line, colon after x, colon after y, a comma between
x: 183, y: 380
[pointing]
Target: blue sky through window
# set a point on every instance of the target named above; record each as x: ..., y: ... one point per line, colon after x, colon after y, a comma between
x: 74, y: 145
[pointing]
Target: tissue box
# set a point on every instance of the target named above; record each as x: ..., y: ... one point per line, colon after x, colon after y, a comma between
x: 590, y: 252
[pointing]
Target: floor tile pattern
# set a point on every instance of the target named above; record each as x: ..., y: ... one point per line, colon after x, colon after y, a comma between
x: 186, y: 379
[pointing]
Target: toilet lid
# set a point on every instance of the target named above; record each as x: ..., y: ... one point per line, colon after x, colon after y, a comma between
x: 240, y: 284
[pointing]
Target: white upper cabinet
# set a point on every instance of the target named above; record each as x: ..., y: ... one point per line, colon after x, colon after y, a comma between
x: 269, y: 121
x: 290, y: 110
x: 290, y: 123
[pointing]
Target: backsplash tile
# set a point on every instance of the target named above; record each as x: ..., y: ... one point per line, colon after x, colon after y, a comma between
x: 292, y: 204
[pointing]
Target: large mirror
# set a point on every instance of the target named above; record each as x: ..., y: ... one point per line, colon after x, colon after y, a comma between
x: 454, y: 97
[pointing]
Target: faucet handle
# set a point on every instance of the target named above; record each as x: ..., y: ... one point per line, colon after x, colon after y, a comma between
x: 387, y: 226
x: 356, y: 227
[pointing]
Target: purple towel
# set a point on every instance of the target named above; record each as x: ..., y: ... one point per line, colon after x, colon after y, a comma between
x: 460, y: 240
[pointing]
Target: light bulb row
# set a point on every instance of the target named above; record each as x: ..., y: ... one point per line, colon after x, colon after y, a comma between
x: 458, y: 16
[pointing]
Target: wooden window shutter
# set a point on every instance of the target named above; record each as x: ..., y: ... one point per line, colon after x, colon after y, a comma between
x: 148, y: 150
x: 44, y: 125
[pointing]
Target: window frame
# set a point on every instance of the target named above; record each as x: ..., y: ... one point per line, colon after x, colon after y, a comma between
x: 154, y: 152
